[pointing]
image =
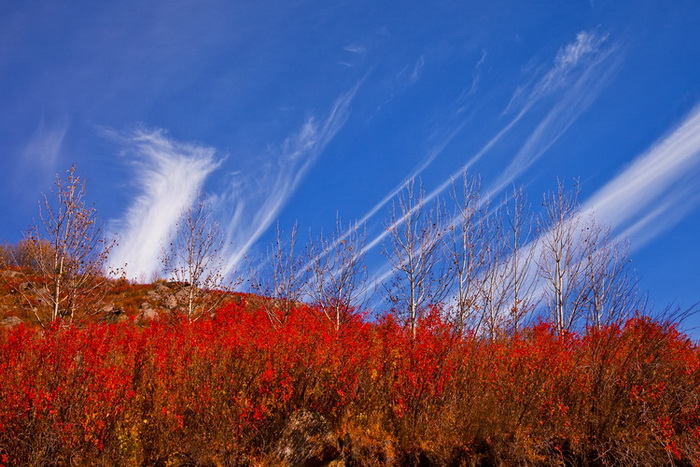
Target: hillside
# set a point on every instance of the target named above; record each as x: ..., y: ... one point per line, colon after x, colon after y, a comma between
x: 240, y: 389
x: 118, y: 299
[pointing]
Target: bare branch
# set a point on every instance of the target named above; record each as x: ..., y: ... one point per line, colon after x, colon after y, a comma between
x: 195, y: 260
x: 69, y: 251
x: 281, y: 280
x: 338, y: 273
x: 420, y: 278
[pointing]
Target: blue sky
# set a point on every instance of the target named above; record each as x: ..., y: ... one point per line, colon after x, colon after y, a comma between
x: 284, y: 111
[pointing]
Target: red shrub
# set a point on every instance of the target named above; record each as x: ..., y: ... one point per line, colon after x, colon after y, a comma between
x: 223, y: 390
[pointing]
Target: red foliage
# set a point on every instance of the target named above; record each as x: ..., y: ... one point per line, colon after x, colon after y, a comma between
x: 220, y: 391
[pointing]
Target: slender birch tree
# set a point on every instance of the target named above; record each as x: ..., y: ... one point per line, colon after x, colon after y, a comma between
x: 466, y: 248
x: 420, y: 277
x: 564, y: 243
x: 338, y: 275
x: 194, y: 260
x: 611, y: 293
x: 68, y: 250
x: 281, y: 278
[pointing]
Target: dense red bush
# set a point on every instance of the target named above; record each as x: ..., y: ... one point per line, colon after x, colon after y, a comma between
x: 223, y: 391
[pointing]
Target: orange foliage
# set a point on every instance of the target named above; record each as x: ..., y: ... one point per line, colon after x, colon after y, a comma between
x: 219, y: 391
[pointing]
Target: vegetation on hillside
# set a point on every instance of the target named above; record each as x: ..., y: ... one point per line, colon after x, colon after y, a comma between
x: 509, y: 339
x: 235, y: 390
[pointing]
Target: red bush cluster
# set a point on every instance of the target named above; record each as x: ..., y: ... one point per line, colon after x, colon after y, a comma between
x: 223, y: 391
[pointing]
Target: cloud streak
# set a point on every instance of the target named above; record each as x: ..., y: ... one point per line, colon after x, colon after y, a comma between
x: 582, y: 90
x: 566, y: 65
x: 43, y: 150
x: 170, y: 175
x: 253, y: 202
x: 582, y: 62
x: 657, y: 189
x: 653, y: 194
x: 476, y: 73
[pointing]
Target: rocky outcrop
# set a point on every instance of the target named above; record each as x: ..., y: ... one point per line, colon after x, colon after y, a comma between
x: 307, y: 439
x: 112, y: 314
x: 147, y: 313
x: 8, y: 273
x: 170, y: 302
x: 10, y: 321
x: 162, y: 294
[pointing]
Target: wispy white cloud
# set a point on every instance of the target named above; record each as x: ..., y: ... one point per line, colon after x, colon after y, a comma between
x: 253, y: 201
x: 593, y: 64
x: 417, y: 68
x: 586, y: 43
x: 356, y: 54
x: 582, y: 68
x: 580, y: 92
x: 476, y: 73
x: 169, y: 178
x: 583, y: 86
x: 355, y: 48
x: 657, y: 189
x: 408, y: 75
x: 669, y: 211
x: 41, y: 153
x: 567, y: 63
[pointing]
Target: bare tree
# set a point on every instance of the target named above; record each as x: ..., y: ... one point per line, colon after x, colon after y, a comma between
x: 338, y: 273
x: 22, y: 254
x: 194, y: 260
x: 68, y: 250
x: 519, y: 227
x: 494, y: 280
x: 281, y: 280
x: 466, y: 248
x: 8, y: 255
x: 490, y: 259
x: 611, y: 294
x: 416, y: 235
x: 566, y: 240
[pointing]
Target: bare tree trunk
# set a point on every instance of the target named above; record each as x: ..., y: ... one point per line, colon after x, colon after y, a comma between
x: 281, y: 281
x: 466, y: 246
x: 195, y: 260
x: 78, y: 252
x: 338, y: 273
x: 416, y: 236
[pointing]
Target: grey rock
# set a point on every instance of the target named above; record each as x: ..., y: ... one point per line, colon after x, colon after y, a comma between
x: 147, y: 313
x: 152, y: 294
x: 10, y: 321
x: 161, y: 289
x: 181, y: 295
x: 110, y: 314
x: 170, y: 302
x: 307, y: 439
